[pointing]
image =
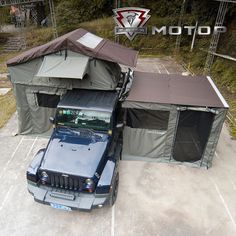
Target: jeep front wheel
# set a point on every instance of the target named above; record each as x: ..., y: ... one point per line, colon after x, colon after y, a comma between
x: 114, y: 192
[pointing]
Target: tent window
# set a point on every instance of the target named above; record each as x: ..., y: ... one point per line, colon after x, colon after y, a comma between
x: 192, y: 135
x: 147, y: 119
x: 48, y: 100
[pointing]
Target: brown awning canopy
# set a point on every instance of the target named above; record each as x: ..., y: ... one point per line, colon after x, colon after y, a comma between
x: 175, y: 89
x: 83, y: 42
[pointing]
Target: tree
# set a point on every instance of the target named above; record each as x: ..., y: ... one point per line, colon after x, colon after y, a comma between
x: 71, y: 13
x: 4, y: 15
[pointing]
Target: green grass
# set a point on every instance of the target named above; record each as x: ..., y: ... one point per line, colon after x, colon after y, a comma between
x: 38, y: 36
x: 7, y: 101
x: 101, y: 26
x: 147, y: 55
x: 4, y: 58
x: 7, y: 107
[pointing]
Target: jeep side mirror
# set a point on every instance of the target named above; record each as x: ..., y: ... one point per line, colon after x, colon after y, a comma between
x: 52, y: 120
x: 119, y: 125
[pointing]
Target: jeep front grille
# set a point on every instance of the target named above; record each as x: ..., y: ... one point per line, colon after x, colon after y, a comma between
x: 64, y: 181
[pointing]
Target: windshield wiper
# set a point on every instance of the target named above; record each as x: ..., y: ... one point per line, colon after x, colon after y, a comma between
x: 90, y: 130
x: 79, y: 129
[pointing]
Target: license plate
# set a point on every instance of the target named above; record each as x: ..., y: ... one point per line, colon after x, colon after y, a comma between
x: 60, y: 207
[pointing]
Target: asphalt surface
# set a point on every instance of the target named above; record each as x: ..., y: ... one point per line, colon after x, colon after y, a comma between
x: 153, y: 199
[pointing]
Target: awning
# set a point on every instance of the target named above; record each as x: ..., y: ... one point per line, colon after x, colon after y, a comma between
x: 174, y: 89
x: 61, y: 65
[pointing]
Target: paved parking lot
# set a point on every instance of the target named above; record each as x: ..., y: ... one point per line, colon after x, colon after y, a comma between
x: 153, y: 199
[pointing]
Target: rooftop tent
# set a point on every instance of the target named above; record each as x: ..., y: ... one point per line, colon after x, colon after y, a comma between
x: 67, y: 70
x: 77, y: 60
x: 173, y: 118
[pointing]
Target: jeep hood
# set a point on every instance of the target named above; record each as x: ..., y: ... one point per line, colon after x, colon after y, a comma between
x: 74, y: 152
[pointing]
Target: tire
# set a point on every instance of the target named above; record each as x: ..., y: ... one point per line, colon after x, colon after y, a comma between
x: 120, y: 154
x: 114, y: 192
x: 121, y: 149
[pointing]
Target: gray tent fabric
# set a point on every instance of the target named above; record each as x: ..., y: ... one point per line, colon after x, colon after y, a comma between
x: 145, y: 132
x: 192, y: 132
x: 32, y: 118
x: 158, y: 145
x: 30, y: 85
x: 144, y: 142
x: 100, y: 74
x: 61, y: 65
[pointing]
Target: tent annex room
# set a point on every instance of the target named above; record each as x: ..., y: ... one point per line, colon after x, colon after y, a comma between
x: 173, y: 118
x: 42, y: 75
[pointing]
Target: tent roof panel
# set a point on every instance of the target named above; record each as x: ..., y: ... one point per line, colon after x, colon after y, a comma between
x: 174, y: 89
x: 83, y: 42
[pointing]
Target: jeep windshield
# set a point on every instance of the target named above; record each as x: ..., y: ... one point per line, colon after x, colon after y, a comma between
x: 82, y: 118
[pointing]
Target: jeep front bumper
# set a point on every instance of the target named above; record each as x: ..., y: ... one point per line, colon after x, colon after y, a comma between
x: 74, y: 200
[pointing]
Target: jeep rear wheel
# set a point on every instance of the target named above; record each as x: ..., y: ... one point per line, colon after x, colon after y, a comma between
x: 114, y: 192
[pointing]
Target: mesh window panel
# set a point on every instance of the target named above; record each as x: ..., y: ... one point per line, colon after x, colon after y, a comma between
x: 192, y: 134
x: 47, y: 100
x: 147, y: 119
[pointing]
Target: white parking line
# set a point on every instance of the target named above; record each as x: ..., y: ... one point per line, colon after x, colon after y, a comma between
x: 6, y: 197
x: 29, y: 139
x: 113, y: 221
x: 224, y: 203
x: 232, y: 182
x: 165, y: 69
x: 158, y: 68
x: 30, y: 148
x: 11, y: 158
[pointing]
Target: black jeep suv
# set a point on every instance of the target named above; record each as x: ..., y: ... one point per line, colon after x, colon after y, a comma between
x: 79, y: 167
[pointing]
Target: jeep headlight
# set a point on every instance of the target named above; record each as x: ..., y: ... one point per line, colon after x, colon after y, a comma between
x: 44, y: 177
x: 89, y: 182
x: 89, y: 185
